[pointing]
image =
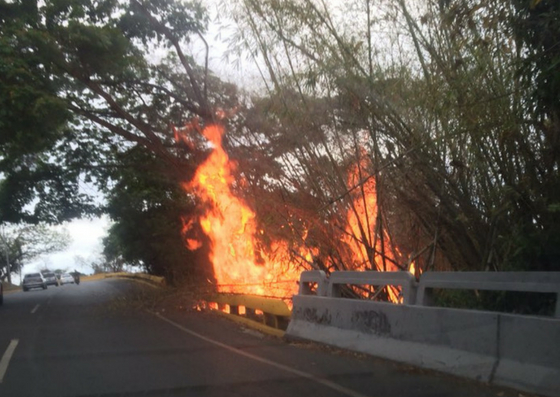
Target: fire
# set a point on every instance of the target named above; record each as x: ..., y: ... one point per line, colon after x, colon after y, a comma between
x: 242, y: 266
x: 412, y: 269
x: 239, y: 264
x: 371, y: 249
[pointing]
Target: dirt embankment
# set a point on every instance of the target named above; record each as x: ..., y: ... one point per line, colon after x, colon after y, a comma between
x: 10, y: 287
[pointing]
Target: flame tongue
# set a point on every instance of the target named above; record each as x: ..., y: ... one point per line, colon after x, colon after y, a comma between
x: 371, y: 249
x: 230, y: 225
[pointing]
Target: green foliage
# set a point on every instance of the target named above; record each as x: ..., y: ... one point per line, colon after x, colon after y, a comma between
x: 180, y: 24
x: 78, y: 85
x: 503, y: 301
x: 536, y: 25
x: 85, y: 104
x: 31, y: 114
x: 148, y: 209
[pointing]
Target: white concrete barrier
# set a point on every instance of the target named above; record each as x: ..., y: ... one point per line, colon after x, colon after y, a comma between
x: 404, y: 280
x: 459, y: 342
x: 542, y: 282
x: 504, y: 349
x: 528, y: 350
x: 310, y: 277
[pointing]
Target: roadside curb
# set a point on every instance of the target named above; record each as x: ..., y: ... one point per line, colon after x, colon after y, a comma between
x: 152, y: 281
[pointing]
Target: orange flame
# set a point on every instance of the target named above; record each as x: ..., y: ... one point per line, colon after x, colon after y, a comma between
x: 239, y: 265
x: 412, y: 269
x: 371, y: 248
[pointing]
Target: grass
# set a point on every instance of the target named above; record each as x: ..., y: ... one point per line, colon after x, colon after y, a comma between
x: 10, y: 287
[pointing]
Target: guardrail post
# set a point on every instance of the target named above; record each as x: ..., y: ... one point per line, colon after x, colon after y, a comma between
x: 335, y: 291
x: 271, y: 320
x: 423, y: 296
x: 275, y: 313
x: 250, y: 313
x: 309, y: 277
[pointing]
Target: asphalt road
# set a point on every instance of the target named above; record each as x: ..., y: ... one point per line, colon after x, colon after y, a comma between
x: 80, y: 341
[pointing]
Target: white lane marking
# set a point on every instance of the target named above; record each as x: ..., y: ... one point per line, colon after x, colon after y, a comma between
x: 283, y: 367
x: 35, y: 308
x: 7, y: 357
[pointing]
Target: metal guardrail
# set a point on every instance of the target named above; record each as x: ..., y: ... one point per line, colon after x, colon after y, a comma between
x: 417, y: 293
x: 275, y: 313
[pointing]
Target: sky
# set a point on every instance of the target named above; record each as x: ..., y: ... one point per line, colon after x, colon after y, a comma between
x: 86, y: 242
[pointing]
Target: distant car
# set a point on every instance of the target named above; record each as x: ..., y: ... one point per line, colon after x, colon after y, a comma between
x: 66, y: 279
x: 50, y: 279
x: 33, y: 280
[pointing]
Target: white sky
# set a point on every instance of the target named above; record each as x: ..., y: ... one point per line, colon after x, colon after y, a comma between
x: 86, y: 242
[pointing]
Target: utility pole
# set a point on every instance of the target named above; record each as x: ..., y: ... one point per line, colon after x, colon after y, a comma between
x: 7, y: 248
x: 8, y: 264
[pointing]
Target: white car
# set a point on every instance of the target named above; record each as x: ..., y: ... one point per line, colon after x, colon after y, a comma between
x: 66, y: 279
x: 50, y: 278
x: 33, y: 280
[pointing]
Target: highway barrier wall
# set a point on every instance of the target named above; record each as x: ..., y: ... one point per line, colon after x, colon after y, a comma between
x: 505, y: 349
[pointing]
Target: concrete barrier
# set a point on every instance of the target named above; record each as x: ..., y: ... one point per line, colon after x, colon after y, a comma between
x: 543, y: 282
x: 404, y: 280
x: 504, y: 349
x: 461, y: 343
x: 528, y: 350
x: 310, y: 277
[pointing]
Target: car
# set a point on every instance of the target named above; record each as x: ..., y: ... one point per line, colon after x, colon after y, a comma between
x: 33, y: 280
x: 1, y: 294
x: 50, y: 278
x: 66, y: 278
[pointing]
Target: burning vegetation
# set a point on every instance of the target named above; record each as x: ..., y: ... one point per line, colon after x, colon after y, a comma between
x: 246, y: 261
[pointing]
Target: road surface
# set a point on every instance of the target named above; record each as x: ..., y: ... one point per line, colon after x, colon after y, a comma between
x: 83, y: 341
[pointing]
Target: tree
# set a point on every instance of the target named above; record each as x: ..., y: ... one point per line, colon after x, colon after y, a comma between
x: 102, y: 97
x: 433, y: 92
x: 33, y: 121
x: 23, y: 243
x: 149, y: 211
x: 536, y: 27
x: 87, y: 68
